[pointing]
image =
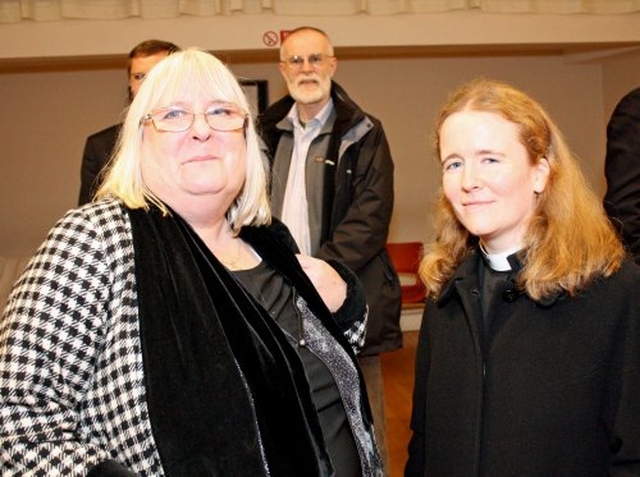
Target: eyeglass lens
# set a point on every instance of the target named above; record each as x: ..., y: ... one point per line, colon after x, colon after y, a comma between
x: 175, y: 119
x: 314, y: 59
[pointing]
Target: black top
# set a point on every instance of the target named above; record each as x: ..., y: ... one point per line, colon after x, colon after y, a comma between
x: 277, y: 296
x: 205, y: 344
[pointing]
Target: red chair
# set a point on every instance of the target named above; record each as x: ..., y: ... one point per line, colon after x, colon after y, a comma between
x: 405, y: 257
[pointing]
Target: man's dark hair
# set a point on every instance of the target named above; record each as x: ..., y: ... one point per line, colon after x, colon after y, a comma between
x: 151, y: 47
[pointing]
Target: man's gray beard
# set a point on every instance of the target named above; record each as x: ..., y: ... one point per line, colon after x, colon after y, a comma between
x: 309, y: 97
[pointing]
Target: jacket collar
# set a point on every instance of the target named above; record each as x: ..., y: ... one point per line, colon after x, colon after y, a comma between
x: 348, y: 113
x: 467, y: 273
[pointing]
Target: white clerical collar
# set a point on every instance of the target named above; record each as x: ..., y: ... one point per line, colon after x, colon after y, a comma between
x: 499, y: 261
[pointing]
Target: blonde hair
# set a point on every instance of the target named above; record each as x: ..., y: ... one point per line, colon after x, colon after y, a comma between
x: 569, y: 241
x: 168, y: 81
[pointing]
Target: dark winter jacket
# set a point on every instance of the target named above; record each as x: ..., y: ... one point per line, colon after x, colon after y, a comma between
x: 555, y: 393
x: 357, y: 202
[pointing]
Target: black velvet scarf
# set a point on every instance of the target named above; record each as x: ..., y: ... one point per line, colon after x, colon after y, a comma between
x: 226, y: 392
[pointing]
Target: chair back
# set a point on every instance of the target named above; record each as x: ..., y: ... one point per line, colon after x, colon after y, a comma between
x: 405, y: 257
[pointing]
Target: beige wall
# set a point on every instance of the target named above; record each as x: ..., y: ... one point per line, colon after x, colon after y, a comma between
x: 48, y: 113
x: 77, y: 38
x: 621, y: 74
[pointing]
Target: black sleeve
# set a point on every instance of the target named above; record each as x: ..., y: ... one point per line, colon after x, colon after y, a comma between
x: 355, y: 303
x: 622, y: 171
x: 97, y: 152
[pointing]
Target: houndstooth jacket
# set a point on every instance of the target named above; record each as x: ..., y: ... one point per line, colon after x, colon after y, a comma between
x: 72, y: 388
x: 70, y: 358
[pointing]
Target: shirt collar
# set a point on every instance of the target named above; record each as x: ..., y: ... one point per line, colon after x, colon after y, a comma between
x: 320, y: 119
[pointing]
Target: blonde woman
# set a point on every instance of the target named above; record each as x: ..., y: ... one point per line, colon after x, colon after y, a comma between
x: 169, y: 328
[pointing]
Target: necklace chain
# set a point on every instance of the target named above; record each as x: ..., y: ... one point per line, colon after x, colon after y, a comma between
x: 232, y: 263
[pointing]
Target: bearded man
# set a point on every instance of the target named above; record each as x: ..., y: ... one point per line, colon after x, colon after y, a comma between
x: 332, y: 185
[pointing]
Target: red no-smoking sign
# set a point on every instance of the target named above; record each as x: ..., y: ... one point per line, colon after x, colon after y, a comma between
x: 270, y: 38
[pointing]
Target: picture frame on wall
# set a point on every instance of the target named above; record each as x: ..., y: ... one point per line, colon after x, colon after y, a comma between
x: 257, y: 94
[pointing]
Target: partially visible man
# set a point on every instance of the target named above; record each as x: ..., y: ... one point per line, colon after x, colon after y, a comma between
x: 332, y: 185
x: 622, y: 171
x: 100, y: 145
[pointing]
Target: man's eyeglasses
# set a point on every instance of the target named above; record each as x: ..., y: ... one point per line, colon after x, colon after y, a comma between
x: 174, y: 119
x: 315, y: 59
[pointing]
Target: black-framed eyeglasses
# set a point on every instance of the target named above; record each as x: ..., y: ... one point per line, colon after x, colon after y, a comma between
x: 175, y: 119
x: 314, y: 59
